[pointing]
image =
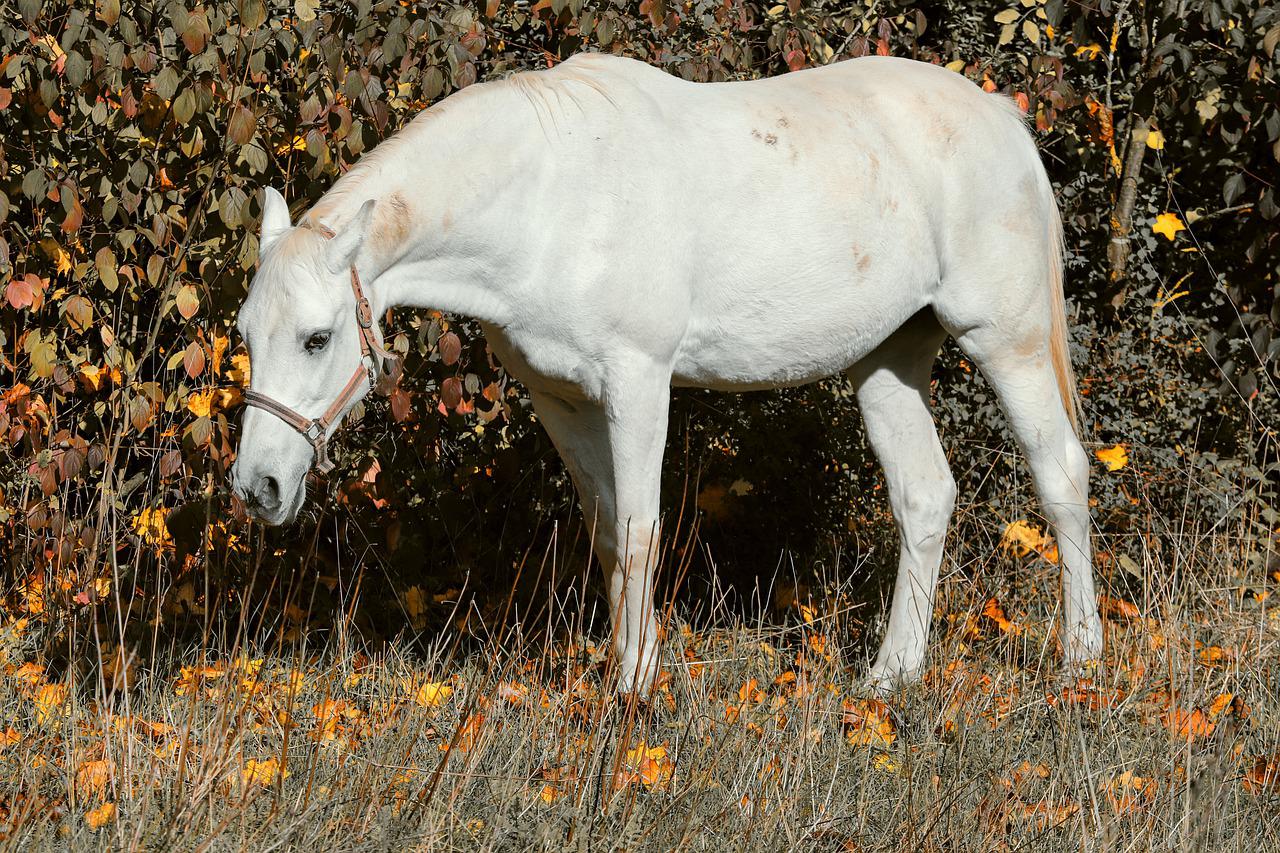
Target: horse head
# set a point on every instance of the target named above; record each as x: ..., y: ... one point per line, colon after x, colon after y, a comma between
x: 313, y: 353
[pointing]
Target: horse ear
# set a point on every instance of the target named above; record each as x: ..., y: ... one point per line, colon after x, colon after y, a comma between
x: 275, y: 218
x: 343, y: 248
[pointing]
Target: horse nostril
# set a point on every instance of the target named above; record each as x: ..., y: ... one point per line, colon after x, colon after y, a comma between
x: 268, y: 492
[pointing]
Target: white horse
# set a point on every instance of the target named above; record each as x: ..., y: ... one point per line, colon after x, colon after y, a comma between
x: 617, y: 231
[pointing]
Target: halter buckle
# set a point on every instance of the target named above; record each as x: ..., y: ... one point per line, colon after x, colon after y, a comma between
x: 364, y: 313
x: 314, y: 432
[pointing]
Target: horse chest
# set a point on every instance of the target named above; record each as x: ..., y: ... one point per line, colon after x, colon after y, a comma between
x: 546, y: 359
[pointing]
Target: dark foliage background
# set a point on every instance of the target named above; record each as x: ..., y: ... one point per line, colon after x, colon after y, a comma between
x: 136, y: 138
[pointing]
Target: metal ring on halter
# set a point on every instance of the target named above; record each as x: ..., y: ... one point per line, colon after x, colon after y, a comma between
x: 378, y: 365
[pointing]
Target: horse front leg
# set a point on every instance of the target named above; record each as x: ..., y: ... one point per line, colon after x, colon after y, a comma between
x: 613, y: 448
x: 893, y: 394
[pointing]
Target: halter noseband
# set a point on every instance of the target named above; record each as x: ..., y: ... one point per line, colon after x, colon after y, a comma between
x: 381, y: 367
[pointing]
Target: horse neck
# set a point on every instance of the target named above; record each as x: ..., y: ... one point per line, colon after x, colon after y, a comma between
x: 446, y: 231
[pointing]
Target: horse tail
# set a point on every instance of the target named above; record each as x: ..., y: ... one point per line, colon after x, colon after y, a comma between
x: 1059, y: 349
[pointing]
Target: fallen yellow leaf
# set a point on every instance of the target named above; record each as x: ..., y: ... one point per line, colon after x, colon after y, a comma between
x: 433, y: 694
x: 101, y: 816
x: 1023, y: 538
x: 648, y: 765
x: 1168, y: 225
x: 1129, y: 793
x: 50, y: 699
x: 150, y: 525
x: 867, y: 722
x: 92, y: 777
x: 1114, y: 458
x: 264, y: 773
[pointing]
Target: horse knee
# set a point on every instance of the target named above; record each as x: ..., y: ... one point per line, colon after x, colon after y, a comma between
x: 1077, y: 467
x: 924, y: 506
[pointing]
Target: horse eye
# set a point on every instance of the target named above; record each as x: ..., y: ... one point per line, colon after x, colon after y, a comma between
x: 317, y: 342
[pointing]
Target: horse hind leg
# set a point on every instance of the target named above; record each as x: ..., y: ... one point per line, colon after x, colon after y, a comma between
x: 893, y: 393
x: 1013, y: 348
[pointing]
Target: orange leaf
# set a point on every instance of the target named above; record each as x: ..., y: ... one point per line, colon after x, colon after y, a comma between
x: 1264, y: 776
x: 1117, y: 608
x: 1023, y: 538
x: 993, y: 611
x: 188, y: 301
x: 1214, y: 655
x: 92, y: 777
x: 1168, y: 225
x: 1044, y: 814
x: 1115, y: 457
x: 1088, y: 696
x: 1128, y: 793
x: 647, y: 765
x: 868, y: 722
x: 101, y: 816
x: 265, y: 773
x: 50, y: 699
x: 1187, y: 725
x: 467, y: 735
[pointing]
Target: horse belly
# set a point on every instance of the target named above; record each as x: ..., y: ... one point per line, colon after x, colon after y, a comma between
x: 782, y: 333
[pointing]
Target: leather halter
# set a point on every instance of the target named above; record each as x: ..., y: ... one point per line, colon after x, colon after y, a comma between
x: 381, y: 367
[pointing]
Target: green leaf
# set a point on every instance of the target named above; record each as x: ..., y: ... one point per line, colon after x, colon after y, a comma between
x: 185, y: 107
x: 105, y: 263
x: 231, y: 207
x: 306, y: 9
x: 34, y: 184
x: 166, y: 82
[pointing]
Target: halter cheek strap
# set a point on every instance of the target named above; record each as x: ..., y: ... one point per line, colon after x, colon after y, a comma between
x: 379, y: 366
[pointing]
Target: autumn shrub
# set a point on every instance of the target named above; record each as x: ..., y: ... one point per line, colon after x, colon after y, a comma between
x: 136, y: 138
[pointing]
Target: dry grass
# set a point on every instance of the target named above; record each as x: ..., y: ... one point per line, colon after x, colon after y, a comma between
x: 759, y: 737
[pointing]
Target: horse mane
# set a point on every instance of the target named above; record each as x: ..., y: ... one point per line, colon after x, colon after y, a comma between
x: 545, y: 90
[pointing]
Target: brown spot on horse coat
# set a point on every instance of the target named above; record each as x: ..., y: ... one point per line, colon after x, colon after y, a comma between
x: 766, y: 138
x: 392, y: 225
x: 861, y: 260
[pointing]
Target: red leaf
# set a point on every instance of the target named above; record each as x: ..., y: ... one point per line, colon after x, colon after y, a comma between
x: 401, y: 410
x: 170, y: 463
x: 193, y: 360
x: 188, y: 301
x: 451, y: 392
x: 19, y: 293
x: 450, y: 348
